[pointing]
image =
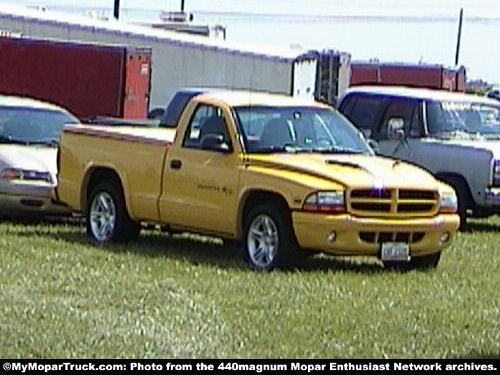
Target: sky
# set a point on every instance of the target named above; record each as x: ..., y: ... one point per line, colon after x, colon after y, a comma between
x: 476, y: 8
x: 425, y: 39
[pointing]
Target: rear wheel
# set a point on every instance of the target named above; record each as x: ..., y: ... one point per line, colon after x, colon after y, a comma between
x: 269, y: 241
x: 107, y: 219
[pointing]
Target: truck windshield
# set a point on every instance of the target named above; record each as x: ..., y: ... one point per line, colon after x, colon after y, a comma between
x: 24, y: 125
x: 292, y: 129
x: 463, y: 119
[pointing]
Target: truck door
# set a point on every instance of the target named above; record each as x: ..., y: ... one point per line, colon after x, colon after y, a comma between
x: 304, y: 77
x: 137, y: 83
x: 202, y: 173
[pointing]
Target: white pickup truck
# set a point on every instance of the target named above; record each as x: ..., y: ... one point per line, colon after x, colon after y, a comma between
x: 455, y: 136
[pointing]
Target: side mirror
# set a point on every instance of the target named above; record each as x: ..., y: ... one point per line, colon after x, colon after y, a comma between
x: 395, y: 128
x: 215, y: 142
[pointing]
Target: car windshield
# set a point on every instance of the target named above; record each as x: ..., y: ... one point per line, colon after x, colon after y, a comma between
x: 24, y: 125
x: 269, y: 129
x: 463, y: 119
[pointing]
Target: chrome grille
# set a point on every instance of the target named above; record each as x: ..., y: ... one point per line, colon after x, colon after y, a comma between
x: 392, y: 202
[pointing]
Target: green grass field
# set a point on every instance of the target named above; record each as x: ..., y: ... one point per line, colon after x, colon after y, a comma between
x: 191, y: 297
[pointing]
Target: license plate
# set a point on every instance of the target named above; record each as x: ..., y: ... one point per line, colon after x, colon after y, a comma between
x: 395, y: 251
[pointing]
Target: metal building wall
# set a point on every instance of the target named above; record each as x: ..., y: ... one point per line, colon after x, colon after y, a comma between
x: 182, y: 62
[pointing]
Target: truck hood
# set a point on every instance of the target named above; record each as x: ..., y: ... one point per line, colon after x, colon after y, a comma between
x: 491, y: 145
x: 35, y: 158
x: 350, y: 170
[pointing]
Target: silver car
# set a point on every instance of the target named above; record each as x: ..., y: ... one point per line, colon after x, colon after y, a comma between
x: 29, y: 134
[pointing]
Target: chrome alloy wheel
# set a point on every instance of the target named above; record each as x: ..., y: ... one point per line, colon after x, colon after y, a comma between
x: 103, y: 216
x: 262, y: 241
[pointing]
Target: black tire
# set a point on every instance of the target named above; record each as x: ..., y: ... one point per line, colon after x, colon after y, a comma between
x: 463, y: 203
x: 278, y: 248
x: 426, y: 262
x: 463, y: 199
x: 107, y: 219
x: 422, y: 263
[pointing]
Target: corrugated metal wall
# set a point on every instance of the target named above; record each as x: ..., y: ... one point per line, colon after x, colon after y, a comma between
x: 416, y: 75
x: 175, y: 63
x: 82, y: 78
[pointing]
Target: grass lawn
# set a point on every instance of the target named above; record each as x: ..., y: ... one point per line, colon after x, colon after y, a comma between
x: 191, y: 297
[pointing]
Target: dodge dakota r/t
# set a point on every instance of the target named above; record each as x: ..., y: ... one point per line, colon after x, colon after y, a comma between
x: 284, y: 176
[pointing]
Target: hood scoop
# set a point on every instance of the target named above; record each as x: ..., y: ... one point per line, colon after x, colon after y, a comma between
x: 345, y: 164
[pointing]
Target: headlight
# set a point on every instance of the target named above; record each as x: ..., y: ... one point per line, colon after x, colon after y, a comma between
x: 496, y: 173
x: 448, y: 202
x: 25, y: 175
x: 326, y: 202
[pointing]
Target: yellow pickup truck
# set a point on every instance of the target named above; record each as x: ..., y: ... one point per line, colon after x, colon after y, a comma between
x: 285, y: 176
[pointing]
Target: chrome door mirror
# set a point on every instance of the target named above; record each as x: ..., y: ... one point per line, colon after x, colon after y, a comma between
x: 395, y: 128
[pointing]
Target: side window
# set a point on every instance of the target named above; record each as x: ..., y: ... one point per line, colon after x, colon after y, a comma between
x: 417, y: 125
x: 347, y: 105
x: 364, y: 113
x: 402, y: 108
x: 206, y: 120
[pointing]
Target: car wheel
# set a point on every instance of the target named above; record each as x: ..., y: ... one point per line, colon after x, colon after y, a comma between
x: 421, y: 263
x: 463, y: 203
x: 107, y: 219
x: 269, y: 241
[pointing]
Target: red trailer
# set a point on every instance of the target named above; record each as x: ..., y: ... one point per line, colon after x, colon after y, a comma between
x: 87, y: 79
x: 416, y: 75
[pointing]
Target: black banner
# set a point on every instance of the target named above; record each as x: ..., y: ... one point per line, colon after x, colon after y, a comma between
x: 252, y: 366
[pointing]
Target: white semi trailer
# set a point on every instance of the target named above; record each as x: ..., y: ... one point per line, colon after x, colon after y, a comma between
x: 183, y: 60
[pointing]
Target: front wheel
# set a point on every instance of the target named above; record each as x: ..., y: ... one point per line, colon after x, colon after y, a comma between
x: 268, y: 238
x: 421, y: 263
x: 463, y: 200
x: 107, y: 219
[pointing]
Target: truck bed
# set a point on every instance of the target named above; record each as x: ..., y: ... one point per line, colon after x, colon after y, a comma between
x: 132, y: 133
x: 141, y: 150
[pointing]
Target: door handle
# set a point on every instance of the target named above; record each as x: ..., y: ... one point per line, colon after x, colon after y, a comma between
x: 175, y: 164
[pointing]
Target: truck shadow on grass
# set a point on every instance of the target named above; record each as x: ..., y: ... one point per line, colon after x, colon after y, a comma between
x: 481, y: 226
x: 191, y: 248
x: 186, y: 247
x: 198, y: 249
x: 214, y: 252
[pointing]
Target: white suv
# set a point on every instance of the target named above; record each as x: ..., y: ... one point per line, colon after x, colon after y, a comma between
x: 455, y: 136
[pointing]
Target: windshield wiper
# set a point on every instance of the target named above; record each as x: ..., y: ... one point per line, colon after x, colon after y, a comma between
x: 337, y: 150
x: 47, y: 142
x: 492, y: 136
x: 4, y: 139
x: 459, y: 134
x: 289, y: 149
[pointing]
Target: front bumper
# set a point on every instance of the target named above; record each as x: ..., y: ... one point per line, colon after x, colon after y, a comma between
x: 29, y: 199
x: 492, y: 198
x: 363, y: 236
